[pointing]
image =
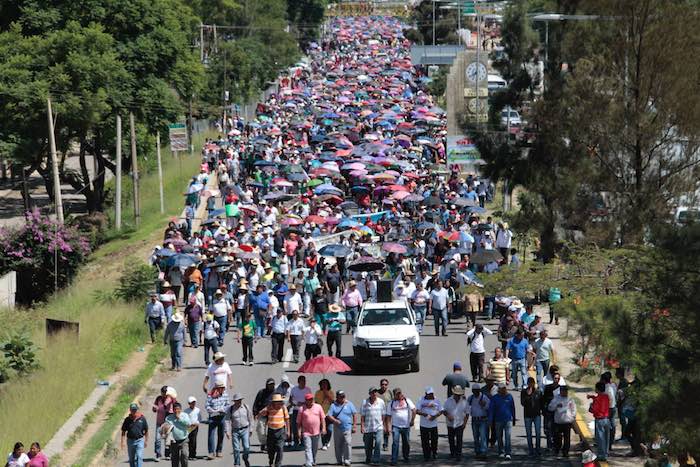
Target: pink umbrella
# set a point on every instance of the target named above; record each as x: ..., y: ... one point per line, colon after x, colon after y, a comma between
x: 291, y: 221
x: 394, y: 248
x: 399, y: 195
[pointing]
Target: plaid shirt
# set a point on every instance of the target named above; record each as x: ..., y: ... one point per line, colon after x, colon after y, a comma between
x: 217, y: 405
x: 373, y: 415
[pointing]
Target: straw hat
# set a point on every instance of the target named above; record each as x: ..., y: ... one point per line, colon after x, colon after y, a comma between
x: 588, y: 456
x: 277, y: 398
x: 178, y: 317
x: 334, y: 308
x: 459, y: 390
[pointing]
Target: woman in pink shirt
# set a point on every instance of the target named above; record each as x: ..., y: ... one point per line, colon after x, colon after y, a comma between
x: 36, y: 457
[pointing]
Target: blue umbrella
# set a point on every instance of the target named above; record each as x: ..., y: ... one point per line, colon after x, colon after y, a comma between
x: 476, y: 209
x: 359, y: 189
x: 181, y: 260
x: 336, y: 250
x: 217, y: 212
x: 426, y: 226
x: 348, y: 223
x: 165, y: 253
x: 264, y: 163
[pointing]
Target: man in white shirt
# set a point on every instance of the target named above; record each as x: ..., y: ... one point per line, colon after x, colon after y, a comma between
x: 419, y: 302
x: 312, y: 338
x: 542, y: 348
x: 456, y: 410
x: 611, y: 391
x: 400, y: 415
x: 279, y: 328
x: 195, y: 415
x: 564, y: 410
x: 372, y: 425
x: 293, y: 300
x: 220, y: 308
x: 504, y: 238
x: 429, y: 408
x: 297, y: 398
x: 439, y: 305
x: 477, y: 351
x: 218, y: 372
x: 294, y: 331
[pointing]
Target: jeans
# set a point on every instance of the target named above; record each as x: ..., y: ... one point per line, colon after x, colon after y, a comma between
x: 454, y: 437
x: 351, y: 317
x: 222, y: 328
x: 310, y: 449
x: 293, y: 424
x: 240, y: 438
x: 194, y: 333
x: 480, y: 432
x: 562, y: 437
x: 542, y: 367
x: 210, y: 345
x: 342, y: 441
x: 404, y: 435
x: 277, y: 346
x: 613, y: 414
x: 519, y: 366
x: 537, y: 421
x: 215, y: 439
x: 602, y: 437
x: 419, y: 310
x: 135, y: 450
x: 334, y: 337
x: 158, y: 442
x: 503, y: 436
x: 428, y: 441
x: 259, y: 324
x: 153, y: 325
x: 490, y: 306
x: 176, y: 354
x: 440, y: 318
x: 178, y: 453
x: 247, y: 343
x: 296, y: 344
x: 275, y: 446
x: 373, y: 445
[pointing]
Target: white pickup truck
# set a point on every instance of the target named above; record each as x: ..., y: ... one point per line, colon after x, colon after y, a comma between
x: 386, y: 335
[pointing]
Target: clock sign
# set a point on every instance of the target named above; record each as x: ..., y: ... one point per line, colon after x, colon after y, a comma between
x: 476, y: 69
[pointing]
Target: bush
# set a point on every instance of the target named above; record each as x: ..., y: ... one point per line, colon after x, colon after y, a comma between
x: 92, y: 226
x: 43, y: 253
x: 17, y: 356
x: 136, y: 282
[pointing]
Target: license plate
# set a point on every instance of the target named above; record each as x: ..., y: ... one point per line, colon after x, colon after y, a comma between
x: 385, y: 353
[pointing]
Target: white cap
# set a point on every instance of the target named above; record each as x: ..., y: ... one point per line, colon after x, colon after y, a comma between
x: 429, y: 390
x: 191, y: 399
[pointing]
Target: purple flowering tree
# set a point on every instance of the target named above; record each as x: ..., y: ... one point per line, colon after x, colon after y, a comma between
x: 43, y: 254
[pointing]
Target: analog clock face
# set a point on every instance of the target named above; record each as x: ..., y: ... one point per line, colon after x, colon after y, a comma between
x: 475, y: 106
x: 475, y: 69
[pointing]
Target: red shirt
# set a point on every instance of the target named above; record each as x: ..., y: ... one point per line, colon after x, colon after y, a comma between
x: 601, y: 406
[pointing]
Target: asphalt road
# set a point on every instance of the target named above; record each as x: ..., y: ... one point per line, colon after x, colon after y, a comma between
x: 437, y: 356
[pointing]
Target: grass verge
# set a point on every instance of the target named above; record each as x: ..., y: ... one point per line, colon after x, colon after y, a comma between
x: 109, y: 332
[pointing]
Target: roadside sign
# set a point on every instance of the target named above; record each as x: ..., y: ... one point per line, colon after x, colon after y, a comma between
x: 178, y: 137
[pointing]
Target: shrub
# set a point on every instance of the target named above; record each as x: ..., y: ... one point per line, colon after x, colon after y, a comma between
x: 135, y: 282
x: 17, y: 356
x: 44, y: 254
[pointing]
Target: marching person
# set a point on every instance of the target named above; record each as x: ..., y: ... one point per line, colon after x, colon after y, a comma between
x: 195, y: 415
x: 239, y: 423
x: 372, y: 426
x: 343, y: 415
x: 564, y: 410
x: 179, y: 425
x: 456, y: 410
x: 429, y: 408
x: 477, y: 351
x: 217, y: 404
x: 135, y: 431
x: 277, y: 429
x: 400, y: 415
x: 479, y: 403
x: 311, y: 423
x: 502, y: 413
x: 312, y: 338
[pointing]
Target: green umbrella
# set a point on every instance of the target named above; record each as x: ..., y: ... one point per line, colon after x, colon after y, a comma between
x: 315, y: 182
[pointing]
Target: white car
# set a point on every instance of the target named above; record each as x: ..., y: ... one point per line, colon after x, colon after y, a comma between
x: 514, y: 117
x: 386, y: 335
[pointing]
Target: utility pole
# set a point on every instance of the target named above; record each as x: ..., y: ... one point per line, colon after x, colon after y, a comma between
x: 201, y: 42
x: 54, y: 165
x: 160, y: 174
x: 224, y: 97
x: 135, y: 171
x: 433, y: 22
x: 118, y: 194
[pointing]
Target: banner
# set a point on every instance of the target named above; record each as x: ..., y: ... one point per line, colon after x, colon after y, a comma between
x: 374, y: 217
x: 462, y: 151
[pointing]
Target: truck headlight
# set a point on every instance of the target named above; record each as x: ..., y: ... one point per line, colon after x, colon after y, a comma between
x: 411, y: 341
x: 359, y: 342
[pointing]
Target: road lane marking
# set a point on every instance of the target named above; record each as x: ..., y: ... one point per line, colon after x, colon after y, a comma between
x: 287, y: 358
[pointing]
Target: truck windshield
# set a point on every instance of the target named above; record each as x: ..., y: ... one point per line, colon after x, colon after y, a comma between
x: 385, y: 317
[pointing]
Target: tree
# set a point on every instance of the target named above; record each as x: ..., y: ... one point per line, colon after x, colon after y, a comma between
x: 306, y: 16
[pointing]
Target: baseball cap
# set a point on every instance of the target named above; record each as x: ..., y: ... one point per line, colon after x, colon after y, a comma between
x: 476, y: 387
x: 501, y: 385
x: 134, y: 406
x: 237, y: 396
x: 340, y: 393
x: 429, y: 390
x: 191, y: 399
x: 457, y: 365
x: 270, y: 381
x: 372, y: 389
x: 307, y: 397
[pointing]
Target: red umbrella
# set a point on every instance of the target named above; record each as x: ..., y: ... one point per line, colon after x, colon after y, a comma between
x: 314, y: 219
x: 324, y: 364
x: 451, y: 236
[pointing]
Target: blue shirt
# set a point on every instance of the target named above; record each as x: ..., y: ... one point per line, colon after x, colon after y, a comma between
x: 344, y: 413
x: 517, y: 348
x: 502, y: 408
x: 260, y: 302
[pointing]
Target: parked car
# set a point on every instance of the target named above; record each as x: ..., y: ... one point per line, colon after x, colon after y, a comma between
x: 514, y: 117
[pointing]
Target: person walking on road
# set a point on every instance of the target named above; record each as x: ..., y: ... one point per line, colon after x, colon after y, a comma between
x: 195, y: 415
x: 262, y: 400
x: 279, y: 327
x: 246, y: 335
x: 456, y: 378
x: 220, y: 308
x: 297, y: 399
x: 477, y: 351
x: 531, y: 400
x: 456, y: 411
x: 135, y: 431
x: 516, y: 350
x: 400, y: 416
x: 217, y: 404
x: 277, y: 429
x: 543, y: 349
x: 439, y: 304
x: 155, y: 316
x: 386, y: 395
x: 312, y: 338
x: 239, y: 423
x: 479, y: 403
x: 429, y: 408
x: 210, y: 337
x: 564, y: 410
x: 600, y: 408
x: 179, y: 425
x: 547, y: 395
x: 294, y: 331
x: 352, y: 302
x: 372, y: 426
x: 174, y: 336
x: 502, y: 413
x: 311, y: 423
x: 193, y: 321
x: 218, y: 374
x: 162, y: 406
x: 325, y: 397
x: 343, y: 415
x: 334, y: 321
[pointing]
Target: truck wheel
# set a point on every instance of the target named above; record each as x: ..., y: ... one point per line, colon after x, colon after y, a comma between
x: 415, y: 364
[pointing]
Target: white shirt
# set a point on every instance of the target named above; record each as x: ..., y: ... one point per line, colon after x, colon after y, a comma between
x: 293, y: 302
x: 21, y: 461
x: 564, y: 414
x: 297, y: 395
x: 373, y: 415
x: 220, y: 307
x: 477, y: 344
x: 279, y: 324
x: 420, y: 297
x: 312, y: 333
x: 194, y: 414
x: 611, y: 391
x: 295, y: 327
x: 218, y: 374
x: 439, y: 298
x: 504, y: 238
x: 431, y: 407
x: 458, y: 410
x: 274, y: 305
x: 400, y: 412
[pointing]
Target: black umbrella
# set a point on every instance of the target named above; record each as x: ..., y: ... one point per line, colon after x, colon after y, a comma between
x: 485, y: 257
x: 210, y: 221
x: 426, y: 226
x: 366, y: 264
x: 464, y: 202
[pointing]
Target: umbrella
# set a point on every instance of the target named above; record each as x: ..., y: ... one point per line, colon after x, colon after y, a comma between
x: 291, y: 221
x: 217, y: 212
x: 210, y: 221
x: 182, y: 260
x: 335, y: 250
x: 314, y: 219
x: 165, y: 253
x: 315, y: 182
x: 426, y: 226
x: 366, y: 264
x: 394, y: 248
x: 433, y: 201
x: 413, y: 198
x: 451, y: 236
x: 348, y: 205
x: 295, y: 272
x: 485, y: 257
x: 457, y: 251
x: 464, y: 202
x: 251, y: 208
x: 324, y: 364
x: 348, y: 223
x: 477, y: 210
